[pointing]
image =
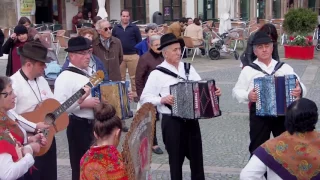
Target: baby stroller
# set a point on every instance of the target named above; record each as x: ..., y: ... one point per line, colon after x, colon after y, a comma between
x: 218, y: 47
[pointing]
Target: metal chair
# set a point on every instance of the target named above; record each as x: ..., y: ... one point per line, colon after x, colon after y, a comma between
x: 189, y: 45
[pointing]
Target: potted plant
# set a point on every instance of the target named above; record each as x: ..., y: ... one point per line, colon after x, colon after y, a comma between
x: 298, y: 24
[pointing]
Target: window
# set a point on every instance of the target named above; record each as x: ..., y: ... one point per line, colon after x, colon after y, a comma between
x: 172, y: 10
x: 245, y: 9
x: 137, y: 9
x: 276, y: 10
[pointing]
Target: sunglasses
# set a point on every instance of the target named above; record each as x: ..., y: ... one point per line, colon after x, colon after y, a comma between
x: 108, y: 28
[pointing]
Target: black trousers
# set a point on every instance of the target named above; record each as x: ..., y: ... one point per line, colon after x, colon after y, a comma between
x: 261, y: 127
x: 80, y: 138
x: 183, y: 139
x: 45, y: 167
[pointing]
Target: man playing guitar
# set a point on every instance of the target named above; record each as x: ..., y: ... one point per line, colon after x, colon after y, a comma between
x: 31, y: 89
x: 79, y: 130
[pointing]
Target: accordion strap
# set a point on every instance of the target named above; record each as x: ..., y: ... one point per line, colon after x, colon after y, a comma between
x: 76, y: 70
x: 258, y: 68
x: 168, y: 72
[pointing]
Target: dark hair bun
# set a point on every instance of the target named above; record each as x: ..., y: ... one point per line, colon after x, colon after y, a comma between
x: 104, y: 112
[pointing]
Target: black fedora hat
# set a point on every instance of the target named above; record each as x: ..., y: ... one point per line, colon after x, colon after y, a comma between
x: 78, y: 43
x: 261, y: 38
x: 34, y: 50
x: 169, y: 39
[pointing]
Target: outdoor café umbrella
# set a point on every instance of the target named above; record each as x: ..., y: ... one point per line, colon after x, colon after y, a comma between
x: 102, y: 10
x: 226, y: 8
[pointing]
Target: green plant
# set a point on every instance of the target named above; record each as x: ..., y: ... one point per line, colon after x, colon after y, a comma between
x: 300, y: 41
x: 300, y: 21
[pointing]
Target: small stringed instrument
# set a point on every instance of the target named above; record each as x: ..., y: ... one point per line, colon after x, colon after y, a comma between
x: 53, y: 113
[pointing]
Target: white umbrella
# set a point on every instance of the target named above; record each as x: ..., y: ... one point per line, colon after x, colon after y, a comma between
x: 102, y: 10
x: 225, y: 8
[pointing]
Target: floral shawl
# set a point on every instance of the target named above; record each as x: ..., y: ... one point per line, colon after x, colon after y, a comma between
x: 294, y: 156
x: 103, y: 162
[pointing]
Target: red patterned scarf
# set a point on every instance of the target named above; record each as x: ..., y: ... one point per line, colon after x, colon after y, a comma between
x: 10, y: 136
x: 104, y: 162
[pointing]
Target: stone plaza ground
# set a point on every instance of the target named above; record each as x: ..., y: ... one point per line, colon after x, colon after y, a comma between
x: 225, y: 139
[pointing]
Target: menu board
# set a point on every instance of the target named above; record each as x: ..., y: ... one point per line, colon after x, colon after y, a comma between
x: 27, y: 7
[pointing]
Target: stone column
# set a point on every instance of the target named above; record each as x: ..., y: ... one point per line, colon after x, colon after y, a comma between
x: 184, y: 8
x: 253, y: 9
x: 283, y: 8
x: 268, y: 9
x: 148, y: 15
x: 237, y: 9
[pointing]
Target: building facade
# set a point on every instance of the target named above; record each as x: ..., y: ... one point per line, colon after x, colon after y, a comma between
x: 62, y: 11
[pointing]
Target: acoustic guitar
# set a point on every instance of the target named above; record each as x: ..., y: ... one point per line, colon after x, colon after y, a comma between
x: 53, y: 113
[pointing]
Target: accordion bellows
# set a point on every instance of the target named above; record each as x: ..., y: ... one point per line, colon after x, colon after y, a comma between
x: 116, y: 94
x: 274, y: 94
x: 195, y: 100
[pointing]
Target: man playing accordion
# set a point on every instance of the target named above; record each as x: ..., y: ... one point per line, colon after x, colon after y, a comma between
x: 182, y: 138
x: 245, y: 91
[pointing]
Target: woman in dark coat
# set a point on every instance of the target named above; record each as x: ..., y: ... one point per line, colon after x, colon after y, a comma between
x: 17, y: 39
x: 248, y: 56
x: 147, y: 63
x: 1, y: 42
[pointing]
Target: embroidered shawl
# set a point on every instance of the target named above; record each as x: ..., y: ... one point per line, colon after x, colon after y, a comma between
x: 294, y: 156
x: 100, y: 163
x: 7, y: 144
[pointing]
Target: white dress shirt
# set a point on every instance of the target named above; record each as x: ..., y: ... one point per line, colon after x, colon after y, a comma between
x: 255, y: 170
x: 66, y: 85
x: 28, y: 95
x: 245, y: 82
x: 13, y: 170
x: 10, y: 170
x: 158, y: 83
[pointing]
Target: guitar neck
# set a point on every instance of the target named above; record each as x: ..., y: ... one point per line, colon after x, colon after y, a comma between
x: 69, y: 102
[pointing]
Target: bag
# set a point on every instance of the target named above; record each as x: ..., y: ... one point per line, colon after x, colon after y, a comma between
x: 53, y: 70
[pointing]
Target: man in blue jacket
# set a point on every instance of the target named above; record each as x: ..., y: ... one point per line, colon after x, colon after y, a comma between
x: 129, y: 35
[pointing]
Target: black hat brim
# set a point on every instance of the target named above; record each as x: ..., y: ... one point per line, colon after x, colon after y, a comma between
x: 78, y: 48
x: 168, y: 43
x: 24, y: 54
x: 265, y: 40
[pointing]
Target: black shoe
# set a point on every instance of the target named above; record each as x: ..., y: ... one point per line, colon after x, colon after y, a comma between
x: 125, y: 129
x: 157, y: 150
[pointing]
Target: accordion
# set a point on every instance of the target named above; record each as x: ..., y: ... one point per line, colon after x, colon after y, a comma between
x: 195, y: 100
x: 116, y: 94
x: 274, y: 94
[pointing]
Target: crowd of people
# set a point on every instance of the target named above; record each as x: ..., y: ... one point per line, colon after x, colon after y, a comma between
x: 94, y: 129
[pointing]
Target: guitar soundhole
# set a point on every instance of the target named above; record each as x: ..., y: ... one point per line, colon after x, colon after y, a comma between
x: 49, y: 119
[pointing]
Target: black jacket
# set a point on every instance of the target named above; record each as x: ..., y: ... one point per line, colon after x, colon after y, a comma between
x: 7, y: 49
x: 248, y: 55
x: 1, y: 42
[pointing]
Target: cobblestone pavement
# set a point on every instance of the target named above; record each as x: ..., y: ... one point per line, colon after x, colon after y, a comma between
x: 225, y: 139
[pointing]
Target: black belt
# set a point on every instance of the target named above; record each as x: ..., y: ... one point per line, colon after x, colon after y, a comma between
x: 82, y: 119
